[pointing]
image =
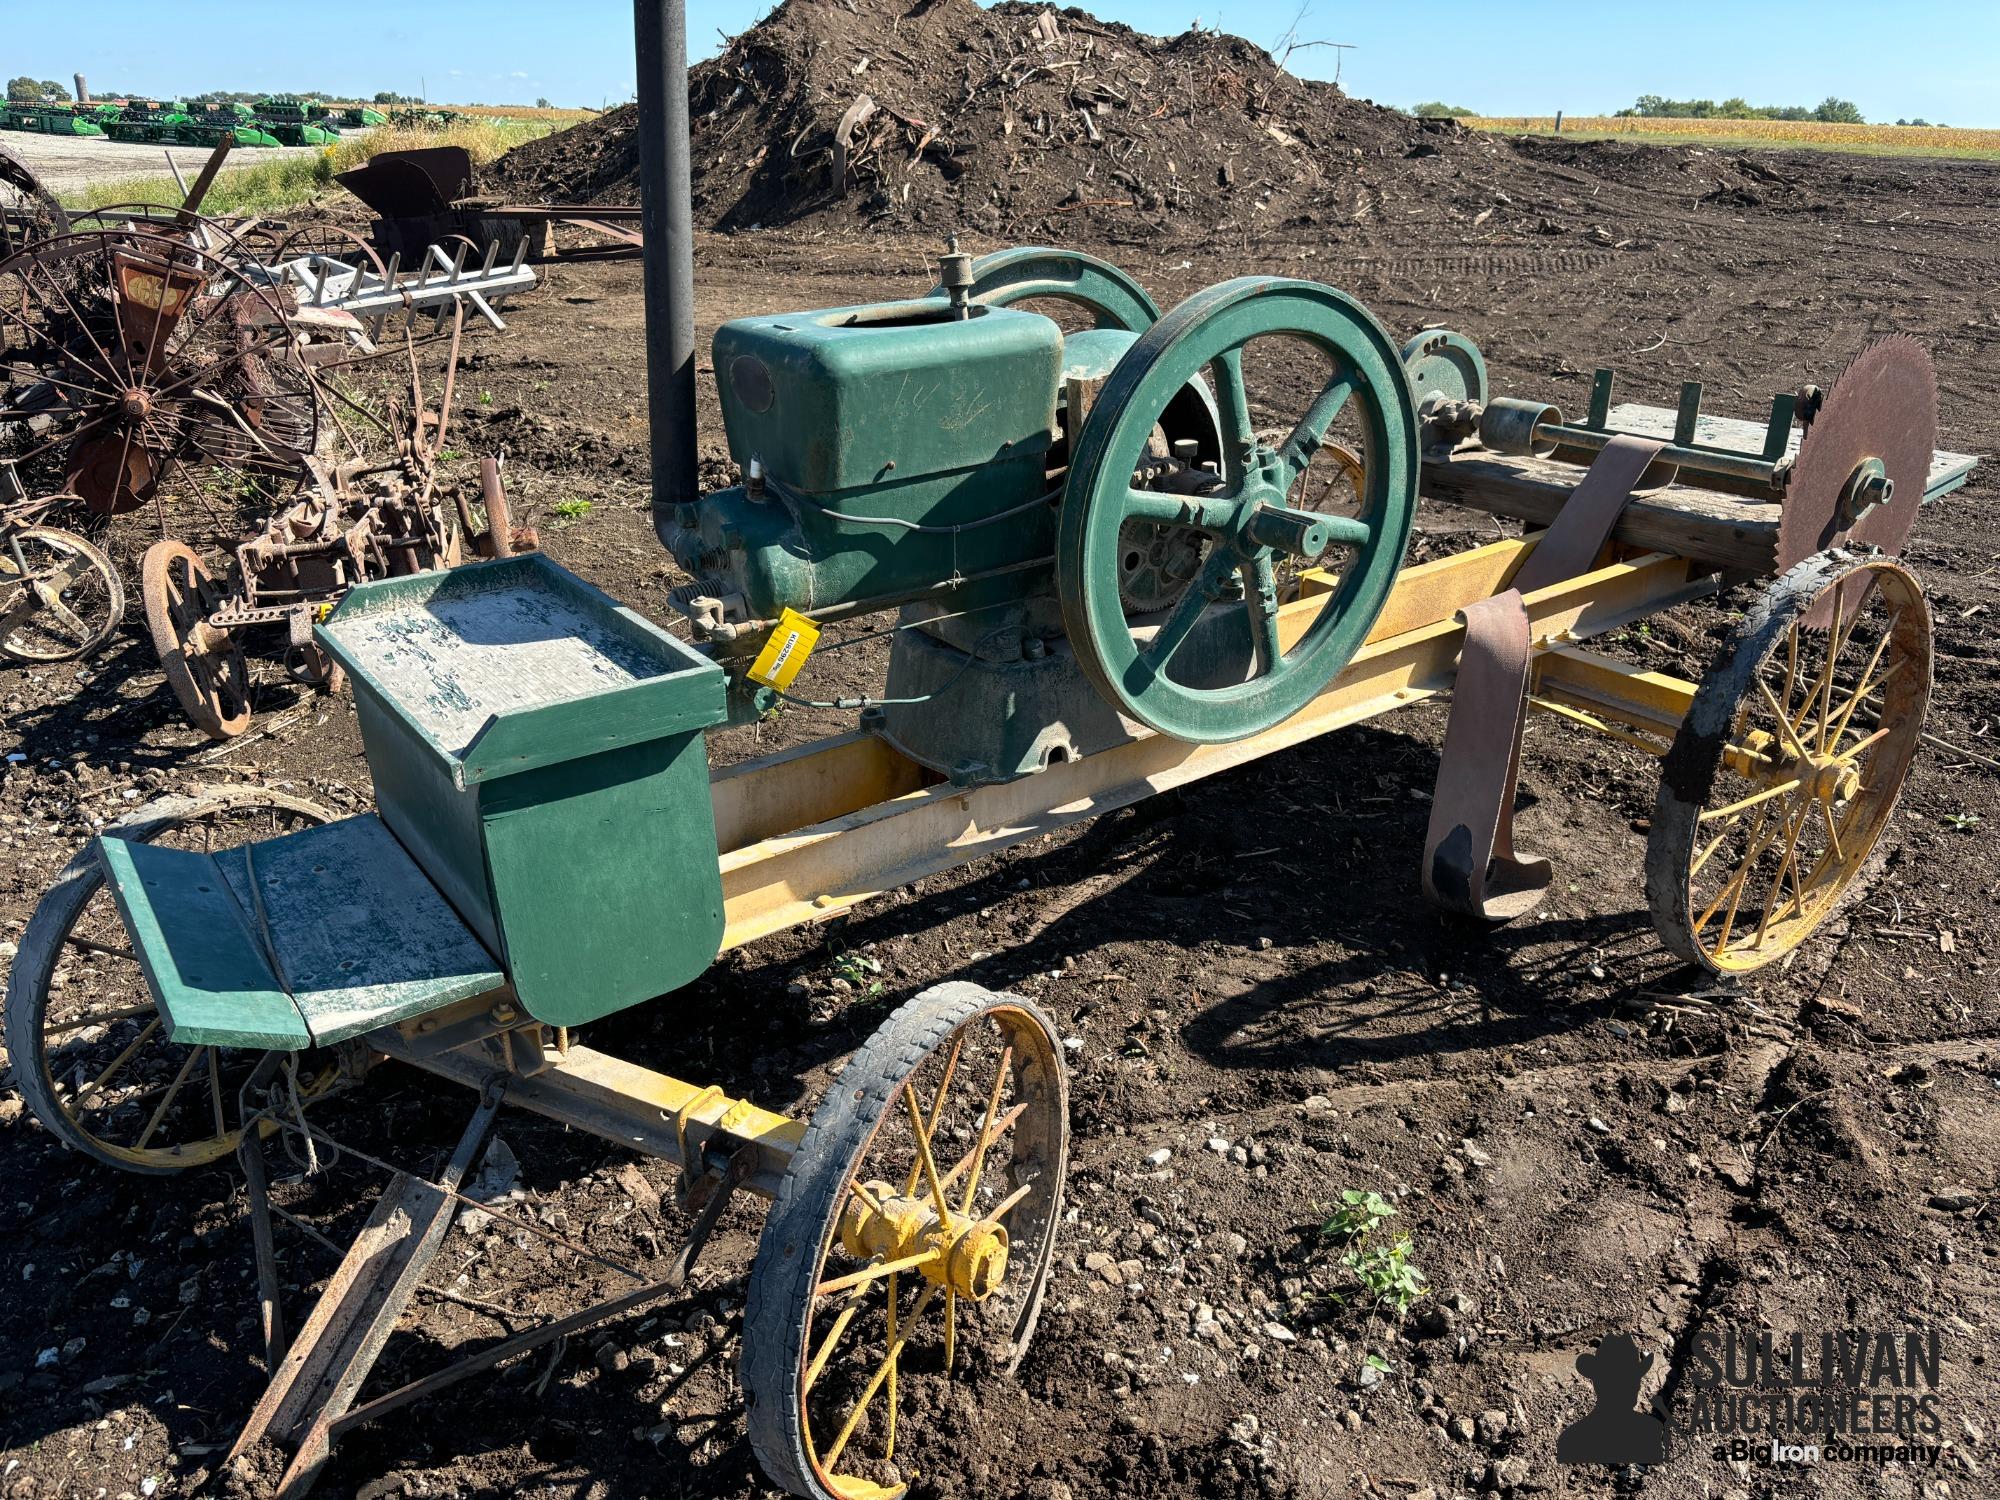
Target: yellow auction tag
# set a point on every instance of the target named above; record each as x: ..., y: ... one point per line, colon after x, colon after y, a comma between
x: 786, y: 651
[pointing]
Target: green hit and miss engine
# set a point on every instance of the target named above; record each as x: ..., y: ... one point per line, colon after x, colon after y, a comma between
x: 1057, y: 513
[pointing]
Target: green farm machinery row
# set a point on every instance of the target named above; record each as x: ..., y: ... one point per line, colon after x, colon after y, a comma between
x: 269, y: 122
x: 54, y: 119
x: 1121, y: 551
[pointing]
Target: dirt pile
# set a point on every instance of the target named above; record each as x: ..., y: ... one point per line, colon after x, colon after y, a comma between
x: 1019, y: 119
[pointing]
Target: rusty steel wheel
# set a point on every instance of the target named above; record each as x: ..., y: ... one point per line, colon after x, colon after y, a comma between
x: 90, y: 1050
x: 60, y: 597
x: 1784, y: 774
x: 910, y: 1242
x: 205, y: 666
x: 134, y: 360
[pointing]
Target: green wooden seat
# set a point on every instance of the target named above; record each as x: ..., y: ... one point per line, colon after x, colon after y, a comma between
x: 295, y: 941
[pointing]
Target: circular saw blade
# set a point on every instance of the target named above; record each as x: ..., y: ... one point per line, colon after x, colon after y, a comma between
x: 1883, y: 406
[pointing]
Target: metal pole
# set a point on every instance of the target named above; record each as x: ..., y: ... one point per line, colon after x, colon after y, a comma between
x: 666, y: 198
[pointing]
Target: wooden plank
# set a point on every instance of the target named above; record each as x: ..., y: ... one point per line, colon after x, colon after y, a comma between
x: 357, y: 1310
x: 1726, y: 532
x: 203, y: 960
x: 361, y: 937
x: 1948, y: 470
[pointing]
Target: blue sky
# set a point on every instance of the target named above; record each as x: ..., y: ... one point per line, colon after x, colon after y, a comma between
x: 1917, y: 58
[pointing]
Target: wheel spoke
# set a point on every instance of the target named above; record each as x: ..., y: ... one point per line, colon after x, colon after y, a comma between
x: 1012, y: 1201
x: 83, y: 1095
x: 1791, y: 671
x: 1749, y: 802
x: 1233, y: 402
x: 1732, y: 888
x: 1191, y: 511
x: 1714, y: 844
x: 165, y: 1104
x: 95, y: 393
x: 215, y: 1089
x: 1793, y: 830
x: 215, y: 367
x: 39, y: 337
x: 832, y: 1455
x: 924, y: 1155
x: 950, y: 1350
x: 1835, y: 644
x: 840, y: 1322
x: 1260, y: 596
x: 65, y: 1027
x: 1005, y: 1124
x: 1297, y: 451
x: 61, y: 437
x: 1174, y: 631
x: 867, y: 1197
x: 53, y: 603
x: 874, y: 1271
x: 1868, y: 683
x: 1785, y: 725
x: 83, y: 326
x: 1347, y: 531
x: 937, y: 1104
x: 895, y: 1353
x: 986, y: 1129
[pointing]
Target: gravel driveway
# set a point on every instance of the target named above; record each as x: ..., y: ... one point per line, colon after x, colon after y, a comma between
x: 68, y: 164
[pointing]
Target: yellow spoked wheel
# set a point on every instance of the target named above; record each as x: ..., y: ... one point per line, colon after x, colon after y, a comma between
x: 1783, y: 777
x: 910, y: 1242
x: 88, y: 1046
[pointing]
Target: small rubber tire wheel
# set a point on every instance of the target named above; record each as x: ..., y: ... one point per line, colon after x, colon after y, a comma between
x: 42, y: 949
x: 805, y: 1221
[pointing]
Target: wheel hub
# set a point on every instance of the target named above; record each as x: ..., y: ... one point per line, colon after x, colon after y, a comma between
x: 964, y: 1255
x: 1827, y: 777
x: 136, y: 404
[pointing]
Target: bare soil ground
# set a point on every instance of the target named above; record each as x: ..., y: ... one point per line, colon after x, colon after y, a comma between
x: 1582, y: 1138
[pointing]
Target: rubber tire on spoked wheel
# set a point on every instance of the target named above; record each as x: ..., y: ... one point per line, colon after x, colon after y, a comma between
x: 206, y: 668
x: 98, y: 625
x: 811, y: 1220
x: 47, y: 940
x: 1247, y: 518
x: 1832, y: 771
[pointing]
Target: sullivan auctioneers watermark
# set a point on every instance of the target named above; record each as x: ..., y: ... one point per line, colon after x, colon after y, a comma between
x: 1852, y: 1395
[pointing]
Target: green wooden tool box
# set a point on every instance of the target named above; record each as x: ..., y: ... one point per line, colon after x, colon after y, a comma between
x: 537, y: 748
x: 544, y: 822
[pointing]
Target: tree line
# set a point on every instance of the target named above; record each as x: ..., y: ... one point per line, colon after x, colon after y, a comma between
x: 1830, y: 109
x: 26, y: 90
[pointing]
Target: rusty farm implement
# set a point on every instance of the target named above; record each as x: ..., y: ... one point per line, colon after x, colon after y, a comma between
x: 157, y: 355
x: 1122, y: 551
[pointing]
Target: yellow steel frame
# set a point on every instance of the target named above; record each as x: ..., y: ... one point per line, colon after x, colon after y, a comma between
x: 864, y: 819
x: 809, y: 833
